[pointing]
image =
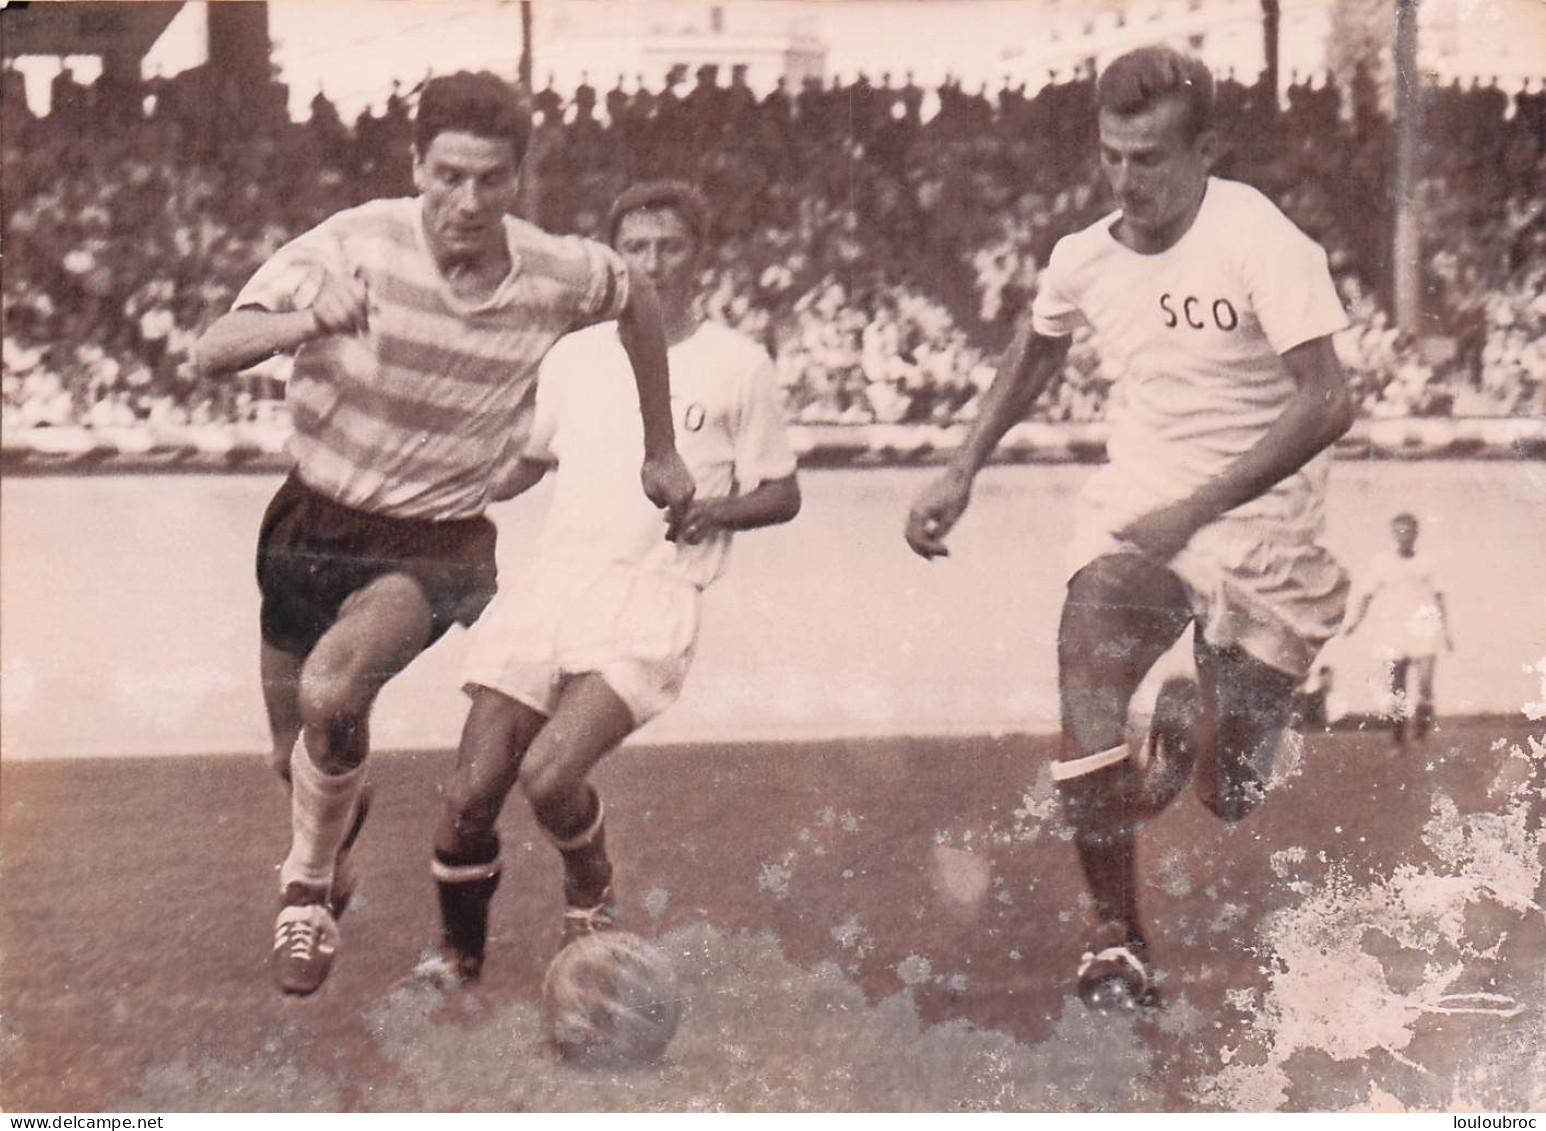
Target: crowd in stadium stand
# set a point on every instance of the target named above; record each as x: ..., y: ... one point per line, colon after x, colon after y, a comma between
x: 879, y: 238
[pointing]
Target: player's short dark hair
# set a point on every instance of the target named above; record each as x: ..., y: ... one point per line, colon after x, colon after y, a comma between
x: 679, y: 196
x: 1138, y: 80
x: 475, y: 102
x: 1406, y: 517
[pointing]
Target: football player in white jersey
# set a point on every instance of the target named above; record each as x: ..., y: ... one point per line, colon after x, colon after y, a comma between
x: 1413, y: 619
x: 1216, y: 313
x: 600, y: 636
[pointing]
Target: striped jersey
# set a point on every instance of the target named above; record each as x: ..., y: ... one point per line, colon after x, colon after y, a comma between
x: 412, y: 417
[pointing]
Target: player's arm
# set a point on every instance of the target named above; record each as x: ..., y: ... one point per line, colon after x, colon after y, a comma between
x: 1032, y: 365
x: 1319, y: 412
x: 667, y: 482
x: 249, y: 335
x: 770, y: 503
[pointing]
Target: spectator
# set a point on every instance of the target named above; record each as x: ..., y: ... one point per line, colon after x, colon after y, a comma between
x: 883, y: 261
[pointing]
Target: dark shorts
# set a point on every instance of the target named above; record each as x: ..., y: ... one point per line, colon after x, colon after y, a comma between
x: 313, y: 553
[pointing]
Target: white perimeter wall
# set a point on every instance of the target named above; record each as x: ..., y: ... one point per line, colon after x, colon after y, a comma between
x: 128, y: 613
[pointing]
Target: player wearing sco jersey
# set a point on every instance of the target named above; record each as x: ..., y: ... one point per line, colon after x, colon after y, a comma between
x: 600, y: 636
x: 1215, y: 313
x: 417, y: 326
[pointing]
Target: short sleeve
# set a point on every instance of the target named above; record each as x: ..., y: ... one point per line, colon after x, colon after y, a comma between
x: 1289, y: 283
x: 606, y: 285
x: 762, y: 451
x: 292, y: 277
x: 1054, y: 314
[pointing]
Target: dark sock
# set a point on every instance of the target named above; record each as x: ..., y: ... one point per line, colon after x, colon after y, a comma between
x: 465, y: 881
x: 587, y: 871
x: 1096, y: 804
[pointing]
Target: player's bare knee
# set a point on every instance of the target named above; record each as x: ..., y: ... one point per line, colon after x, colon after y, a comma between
x: 548, y: 787
x: 457, y: 805
x: 334, y: 704
x: 495, y: 721
x: 466, y: 826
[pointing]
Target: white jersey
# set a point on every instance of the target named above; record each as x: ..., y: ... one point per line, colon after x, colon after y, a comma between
x: 729, y: 430
x: 1193, y: 337
x: 1406, y: 597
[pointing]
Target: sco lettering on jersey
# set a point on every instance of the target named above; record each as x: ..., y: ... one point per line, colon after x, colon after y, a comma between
x: 1198, y: 313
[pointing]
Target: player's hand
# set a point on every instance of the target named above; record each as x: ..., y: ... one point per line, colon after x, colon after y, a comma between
x: 341, y: 305
x: 935, y: 512
x: 1160, y: 535
x: 669, y: 485
x: 699, y: 521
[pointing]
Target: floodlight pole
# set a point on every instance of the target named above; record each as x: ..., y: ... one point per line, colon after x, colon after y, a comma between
x: 1271, y: 23
x: 531, y: 176
x: 1406, y: 250
x: 524, y: 69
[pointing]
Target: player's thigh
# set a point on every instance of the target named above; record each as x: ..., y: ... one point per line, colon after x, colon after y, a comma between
x: 381, y: 627
x: 498, y: 727
x: 1121, y: 610
x: 589, y: 720
x: 1121, y: 614
x: 1422, y: 670
x: 497, y: 732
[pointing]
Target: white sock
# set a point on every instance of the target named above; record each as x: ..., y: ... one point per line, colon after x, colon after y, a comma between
x: 321, y: 807
x: 1089, y: 764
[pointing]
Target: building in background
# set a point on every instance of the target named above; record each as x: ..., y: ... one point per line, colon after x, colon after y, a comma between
x: 355, y: 50
x: 598, y: 42
x: 1461, y: 39
x: 1084, y: 35
x: 1458, y: 39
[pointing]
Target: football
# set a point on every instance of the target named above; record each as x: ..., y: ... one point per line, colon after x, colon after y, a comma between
x: 611, y: 999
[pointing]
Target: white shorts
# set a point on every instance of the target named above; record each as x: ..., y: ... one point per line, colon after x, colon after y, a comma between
x: 1393, y: 650
x: 1411, y: 637
x: 636, y: 630
x: 1273, y: 594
